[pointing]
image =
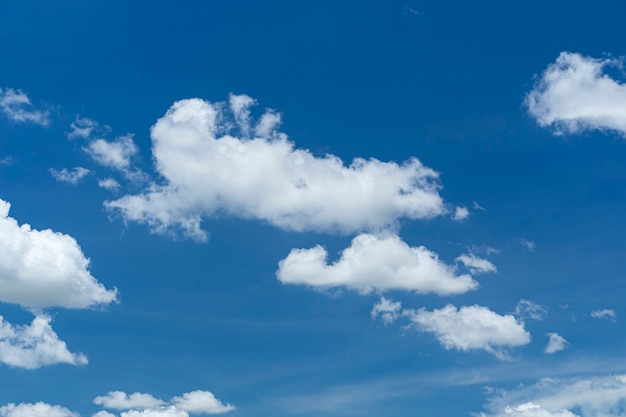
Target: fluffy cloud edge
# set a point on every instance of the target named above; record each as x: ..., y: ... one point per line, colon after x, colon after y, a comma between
x: 374, y: 263
x: 207, y: 171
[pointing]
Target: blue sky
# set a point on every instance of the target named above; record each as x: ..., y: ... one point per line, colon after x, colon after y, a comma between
x: 402, y: 208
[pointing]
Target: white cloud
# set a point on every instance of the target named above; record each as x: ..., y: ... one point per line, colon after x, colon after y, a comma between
x: 34, y: 346
x: 145, y: 405
x: 103, y: 414
x: 42, y: 268
x: 374, y: 263
x: 156, y: 412
x: 16, y: 106
x: 530, y: 310
x: 39, y: 409
x: 476, y: 265
x: 556, y: 343
x: 71, y: 176
x: 604, y: 314
x: 119, y: 400
x: 201, y: 402
x: 471, y: 328
x: 109, y: 184
x: 533, y: 410
x: 588, y: 396
x: 460, y: 213
x: 478, y: 206
x: 116, y: 154
x: 388, y: 310
x: 82, y: 128
x: 574, y: 94
x: 208, y: 171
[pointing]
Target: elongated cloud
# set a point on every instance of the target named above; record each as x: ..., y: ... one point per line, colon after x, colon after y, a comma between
x: 39, y: 409
x: 476, y: 265
x: 16, y: 105
x: 374, y: 263
x: 42, y: 268
x: 533, y: 410
x: 34, y: 346
x: 265, y: 177
x: 145, y: 405
x: 575, y: 94
x: 471, y: 328
x: 119, y: 400
x: 587, y: 397
x: 71, y: 176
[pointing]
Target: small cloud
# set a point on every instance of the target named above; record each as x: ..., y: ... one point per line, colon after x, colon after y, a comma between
x: 604, y: 314
x: 7, y: 160
x: 478, y: 206
x: 460, y: 213
x: 109, y: 184
x: 528, y: 244
x: 528, y: 309
x: 16, y: 105
x: 71, y: 176
x: 388, y: 310
x: 556, y: 343
x: 476, y: 265
x: 82, y: 128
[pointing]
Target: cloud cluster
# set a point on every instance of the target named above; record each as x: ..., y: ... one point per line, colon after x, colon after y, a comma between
x: 16, y: 105
x: 575, y: 94
x: 39, y: 269
x: 588, y: 397
x: 265, y: 177
x: 145, y: 405
x: 374, y: 263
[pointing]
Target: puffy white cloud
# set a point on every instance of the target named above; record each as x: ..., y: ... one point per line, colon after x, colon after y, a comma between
x: 16, y: 106
x: 109, y: 184
x: 589, y: 396
x: 604, y: 314
x: 556, y: 343
x: 575, y: 94
x: 39, y: 409
x: 460, y: 213
x: 119, y: 400
x: 71, y: 176
x: 103, y: 414
x: 471, y: 328
x: 34, y: 346
x: 476, y: 265
x: 208, y: 171
x: 533, y: 410
x: 388, y: 310
x: 42, y: 268
x: 374, y: 263
x: 145, y: 405
x: 201, y: 402
x: 116, y: 154
x: 530, y: 310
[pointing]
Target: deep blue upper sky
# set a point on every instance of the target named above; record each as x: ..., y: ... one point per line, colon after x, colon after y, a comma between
x: 444, y: 82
